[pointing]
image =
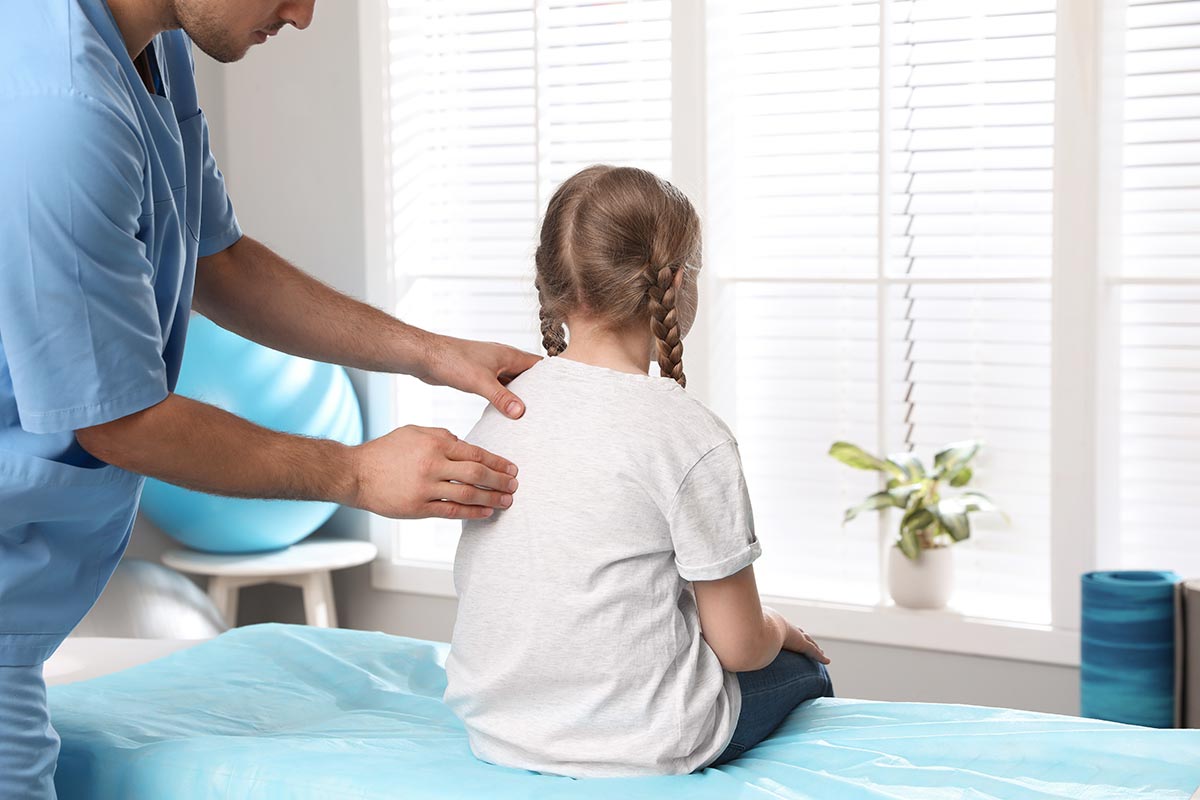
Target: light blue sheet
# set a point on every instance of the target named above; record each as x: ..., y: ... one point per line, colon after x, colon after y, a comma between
x: 277, y: 711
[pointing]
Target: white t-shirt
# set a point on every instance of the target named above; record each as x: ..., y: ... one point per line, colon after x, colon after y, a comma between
x: 577, y: 648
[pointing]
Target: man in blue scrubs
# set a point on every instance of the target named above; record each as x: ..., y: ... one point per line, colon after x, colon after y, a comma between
x: 114, y: 225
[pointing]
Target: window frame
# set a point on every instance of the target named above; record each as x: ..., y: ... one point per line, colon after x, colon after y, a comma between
x: 1085, y: 283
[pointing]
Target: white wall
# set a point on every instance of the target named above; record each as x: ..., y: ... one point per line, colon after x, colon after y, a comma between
x: 859, y: 670
x: 290, y: 134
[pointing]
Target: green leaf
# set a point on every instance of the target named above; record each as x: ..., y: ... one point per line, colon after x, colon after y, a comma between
x: 873, y: 503
x: 909, y: 544
x: 954, y: 519
x: 961, y: 476
x: 909, y: 464
x: 916, y: 519
x: 974, y: 501
x: 854, y: 456
x: 977, y: 501
x: 904, y: 492
x: 955, y: 455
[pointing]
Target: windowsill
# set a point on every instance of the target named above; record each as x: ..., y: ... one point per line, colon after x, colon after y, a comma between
x: 944, y: 631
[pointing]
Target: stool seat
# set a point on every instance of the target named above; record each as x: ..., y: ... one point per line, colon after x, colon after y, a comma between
x: 306, y: 565
x: 306, y: 556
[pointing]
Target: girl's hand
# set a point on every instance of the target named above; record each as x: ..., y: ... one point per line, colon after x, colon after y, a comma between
x: 798, y: 641
x: 482, y: 368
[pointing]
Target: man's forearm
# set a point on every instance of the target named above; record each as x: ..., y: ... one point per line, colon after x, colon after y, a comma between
x: 201, y: 447
x: 252, y: 291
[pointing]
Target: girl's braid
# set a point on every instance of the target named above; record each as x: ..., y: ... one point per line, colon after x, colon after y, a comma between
x: 554, y: 333
x: 664, y: 322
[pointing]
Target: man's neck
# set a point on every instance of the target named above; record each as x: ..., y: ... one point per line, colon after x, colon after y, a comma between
x: 141, y: 20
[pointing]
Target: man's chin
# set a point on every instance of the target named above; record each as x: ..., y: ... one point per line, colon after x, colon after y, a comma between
x: 223, y: 52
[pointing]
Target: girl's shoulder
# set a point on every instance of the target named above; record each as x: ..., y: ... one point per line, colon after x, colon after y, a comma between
x: 705, y: 428
x: 582, y: 401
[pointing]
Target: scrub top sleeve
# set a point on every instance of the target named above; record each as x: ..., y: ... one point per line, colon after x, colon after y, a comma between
x: 78, y: 318
x: 219, y: 227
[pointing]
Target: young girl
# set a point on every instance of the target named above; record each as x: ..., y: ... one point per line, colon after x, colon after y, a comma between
x: 608, y: 622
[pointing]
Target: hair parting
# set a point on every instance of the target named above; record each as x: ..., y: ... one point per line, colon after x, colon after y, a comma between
x: 614, y: 241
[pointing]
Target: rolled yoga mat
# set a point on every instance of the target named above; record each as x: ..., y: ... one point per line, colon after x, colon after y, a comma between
x: 1127, y: 663
x: 1187, y: 654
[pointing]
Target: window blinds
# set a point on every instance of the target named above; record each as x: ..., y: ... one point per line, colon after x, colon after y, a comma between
x: 819, y: 331
x: 794, y: 171
x: 493, y: 103
x: 1159, y: 288
x: 948, y: 330
x: 972, y: 118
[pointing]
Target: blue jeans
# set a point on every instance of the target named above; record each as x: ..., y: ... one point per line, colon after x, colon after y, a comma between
x: 770, y: 694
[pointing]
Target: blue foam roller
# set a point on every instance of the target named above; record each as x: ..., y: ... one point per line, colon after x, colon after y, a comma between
x: 272, y: 389
x: 1127, y: 659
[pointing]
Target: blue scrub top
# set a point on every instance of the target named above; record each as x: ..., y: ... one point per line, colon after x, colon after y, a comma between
x: 108, y: 194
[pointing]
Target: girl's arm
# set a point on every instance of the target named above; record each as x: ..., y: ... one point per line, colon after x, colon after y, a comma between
x: 745, y: 635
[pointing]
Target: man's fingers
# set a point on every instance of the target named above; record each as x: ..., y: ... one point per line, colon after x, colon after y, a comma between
x: 466, y: 452
x: 474, y: 496
x: 506, y: 402
x: 437, y: 433
x: 473, y: 473
x: 448, y: 509
x: 516, y: 362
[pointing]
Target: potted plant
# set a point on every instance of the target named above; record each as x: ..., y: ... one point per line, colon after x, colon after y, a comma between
x: 920, y: 565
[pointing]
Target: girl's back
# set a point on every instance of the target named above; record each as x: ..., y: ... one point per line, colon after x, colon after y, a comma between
x: 577, y: 647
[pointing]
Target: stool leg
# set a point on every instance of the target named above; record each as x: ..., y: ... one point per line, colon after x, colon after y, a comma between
x: 319, y: 610
x: 224, y: 593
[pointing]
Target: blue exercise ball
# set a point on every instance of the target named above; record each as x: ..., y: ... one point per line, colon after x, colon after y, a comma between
x: 277, y: 391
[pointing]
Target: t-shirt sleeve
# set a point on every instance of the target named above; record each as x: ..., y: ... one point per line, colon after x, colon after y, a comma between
x: 712, y: 524
x: 79, y: 324
x: 219, y: 227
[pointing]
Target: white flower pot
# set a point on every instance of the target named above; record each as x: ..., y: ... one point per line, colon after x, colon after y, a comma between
x: 924, y: 583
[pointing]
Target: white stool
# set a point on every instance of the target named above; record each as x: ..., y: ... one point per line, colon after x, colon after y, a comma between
x: 306, y: 565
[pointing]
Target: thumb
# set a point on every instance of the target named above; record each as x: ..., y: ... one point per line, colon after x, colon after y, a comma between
x: 506, y: 402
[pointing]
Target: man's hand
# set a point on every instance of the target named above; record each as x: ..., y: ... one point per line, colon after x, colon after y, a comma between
x: 415, y: 472
x: 411, y: 472
x: 798, y: 641
x: 481, y: 368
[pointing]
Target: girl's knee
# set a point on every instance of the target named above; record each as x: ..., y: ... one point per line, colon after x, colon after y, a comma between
x: 828, y: 681
x: 813, y: 675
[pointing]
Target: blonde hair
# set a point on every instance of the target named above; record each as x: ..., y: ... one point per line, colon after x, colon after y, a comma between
x: 612, y: 241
